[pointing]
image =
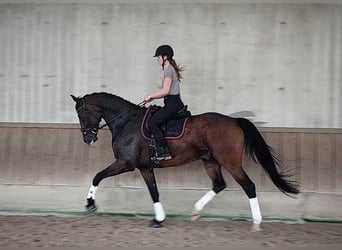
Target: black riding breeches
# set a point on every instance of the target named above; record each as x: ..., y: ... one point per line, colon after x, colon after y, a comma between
x: 172, y: 104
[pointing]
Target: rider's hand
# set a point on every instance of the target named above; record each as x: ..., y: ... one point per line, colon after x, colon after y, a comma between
x: 147, y: 98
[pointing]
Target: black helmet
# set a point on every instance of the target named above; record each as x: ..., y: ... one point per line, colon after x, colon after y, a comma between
x: 164, y: 50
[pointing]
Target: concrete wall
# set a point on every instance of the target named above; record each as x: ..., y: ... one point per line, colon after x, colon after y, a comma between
x: 280, y: 62
x: 48, y: 167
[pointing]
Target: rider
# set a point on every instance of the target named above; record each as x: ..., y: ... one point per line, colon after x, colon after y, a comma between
x: 170, y: 91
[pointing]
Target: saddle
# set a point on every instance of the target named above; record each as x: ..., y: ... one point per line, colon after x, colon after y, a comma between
x: 173, y: 129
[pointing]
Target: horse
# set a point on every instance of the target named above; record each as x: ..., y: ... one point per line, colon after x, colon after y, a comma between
x: 218, y: 140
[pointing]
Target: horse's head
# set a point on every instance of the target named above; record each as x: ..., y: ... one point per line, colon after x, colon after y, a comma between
x: 90, y: 117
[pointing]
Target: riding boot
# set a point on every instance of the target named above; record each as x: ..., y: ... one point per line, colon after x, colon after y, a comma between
x: 163, y: 153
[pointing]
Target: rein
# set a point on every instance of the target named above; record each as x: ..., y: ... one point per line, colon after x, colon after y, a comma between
x: 141, y: 104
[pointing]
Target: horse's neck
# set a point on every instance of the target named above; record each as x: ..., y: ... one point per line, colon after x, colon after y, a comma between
x: 119, y: 122
x: 118, y: 115
x: 116, y: 107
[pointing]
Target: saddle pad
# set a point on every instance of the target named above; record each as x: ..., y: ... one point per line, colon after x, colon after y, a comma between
x: 173, y: 129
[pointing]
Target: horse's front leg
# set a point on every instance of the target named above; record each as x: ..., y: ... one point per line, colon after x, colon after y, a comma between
x: 159, y: 212
x: 116, y: 168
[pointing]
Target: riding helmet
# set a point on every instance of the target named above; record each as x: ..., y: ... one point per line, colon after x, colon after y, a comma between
x: 164, y: 50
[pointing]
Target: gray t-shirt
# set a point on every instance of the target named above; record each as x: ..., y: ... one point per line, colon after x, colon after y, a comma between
x: 169, y: 71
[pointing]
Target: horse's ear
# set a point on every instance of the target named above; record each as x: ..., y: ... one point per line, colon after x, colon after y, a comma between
x: 74, y: 98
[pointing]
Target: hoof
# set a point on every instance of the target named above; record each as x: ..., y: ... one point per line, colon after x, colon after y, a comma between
x: 195, y: 215
x: 90, y: 207
x: 155, y: 224
x: 256, y: 228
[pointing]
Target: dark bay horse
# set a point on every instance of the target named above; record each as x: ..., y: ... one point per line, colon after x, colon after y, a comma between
x: 218, y: 140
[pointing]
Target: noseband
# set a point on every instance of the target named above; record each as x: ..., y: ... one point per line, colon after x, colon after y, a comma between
x: 85, y: 131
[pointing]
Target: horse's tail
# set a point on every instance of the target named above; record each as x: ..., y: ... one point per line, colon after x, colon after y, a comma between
x: 257, y: 149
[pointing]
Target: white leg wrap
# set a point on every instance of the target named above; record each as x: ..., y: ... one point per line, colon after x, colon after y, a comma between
x: 92, y: 192
x: 256, y: 214
x: 199, y: 205
x: 159, y: 211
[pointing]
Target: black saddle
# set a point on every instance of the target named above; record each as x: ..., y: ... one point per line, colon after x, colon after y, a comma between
x: 173, y: 129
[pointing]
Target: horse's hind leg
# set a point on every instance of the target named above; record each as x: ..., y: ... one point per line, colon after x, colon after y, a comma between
x: 249, y: 187
x: 214, y: 171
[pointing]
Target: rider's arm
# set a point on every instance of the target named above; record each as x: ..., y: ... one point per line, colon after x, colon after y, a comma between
x: 160, y: 93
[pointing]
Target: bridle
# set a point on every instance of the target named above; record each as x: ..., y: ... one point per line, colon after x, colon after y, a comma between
x: 85, y: 131
x: 94, y: 131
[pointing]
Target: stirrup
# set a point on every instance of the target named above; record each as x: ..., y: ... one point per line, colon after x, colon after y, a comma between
x: 161, y: 157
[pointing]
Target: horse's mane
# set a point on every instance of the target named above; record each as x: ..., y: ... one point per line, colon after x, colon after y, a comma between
x: 107, y: 99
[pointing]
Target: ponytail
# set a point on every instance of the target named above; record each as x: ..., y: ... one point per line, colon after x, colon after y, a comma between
x: 177, y: 68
